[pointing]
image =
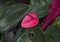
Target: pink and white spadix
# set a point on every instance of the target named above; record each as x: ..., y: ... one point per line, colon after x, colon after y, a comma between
x: 30, y: 20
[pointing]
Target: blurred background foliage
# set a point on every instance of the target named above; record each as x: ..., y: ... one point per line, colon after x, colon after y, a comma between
x: 11, y: 15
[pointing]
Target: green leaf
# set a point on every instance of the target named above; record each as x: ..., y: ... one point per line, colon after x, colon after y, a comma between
x: 40, y: 6
x: 7, y: 2
x: 57, y: 21
x: 32, y: 35
x: 10, y: 15
x: 29, y: 35
x: 51, y: 34
x: 54, y: 32
x: 24, y: 38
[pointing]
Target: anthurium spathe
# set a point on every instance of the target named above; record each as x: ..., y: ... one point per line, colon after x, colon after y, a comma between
x: 30, y: 20
x: 54, y: 12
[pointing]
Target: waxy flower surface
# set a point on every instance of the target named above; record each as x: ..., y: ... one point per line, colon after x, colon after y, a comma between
x: 30, y: 20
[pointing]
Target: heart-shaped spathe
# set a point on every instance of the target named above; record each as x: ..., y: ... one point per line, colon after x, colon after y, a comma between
x: 30, y: 20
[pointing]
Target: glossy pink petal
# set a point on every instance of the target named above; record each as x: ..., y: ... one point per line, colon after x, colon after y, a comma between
x: 50, y: 17
x: 30, y: 20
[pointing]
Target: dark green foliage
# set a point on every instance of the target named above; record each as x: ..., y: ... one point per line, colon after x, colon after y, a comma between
x: 11, y: 15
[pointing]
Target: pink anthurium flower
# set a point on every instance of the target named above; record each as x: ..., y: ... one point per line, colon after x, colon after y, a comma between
x: 55, y: 11
x: 30, y: 20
